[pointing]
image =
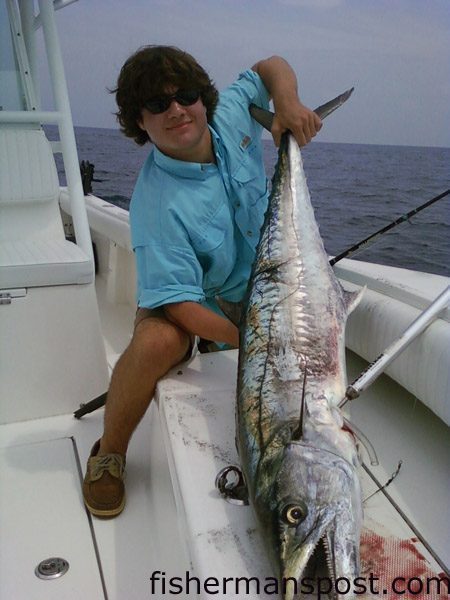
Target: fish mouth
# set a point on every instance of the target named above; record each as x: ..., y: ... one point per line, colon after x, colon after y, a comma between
x: 317, y: 571
x: 319, y: 544
x: 311, y: 567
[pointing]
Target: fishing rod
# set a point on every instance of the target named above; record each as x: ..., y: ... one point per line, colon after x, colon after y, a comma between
x: 374, y: 236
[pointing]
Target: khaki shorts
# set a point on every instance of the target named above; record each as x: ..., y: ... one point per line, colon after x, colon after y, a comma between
x: 148, y: 313
x: 197, y: 344
x: 158, y: 313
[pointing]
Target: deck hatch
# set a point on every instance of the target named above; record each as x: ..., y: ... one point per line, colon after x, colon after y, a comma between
x: 42, y: 515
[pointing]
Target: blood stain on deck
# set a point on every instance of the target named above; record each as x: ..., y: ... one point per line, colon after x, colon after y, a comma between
x: 398, y: 569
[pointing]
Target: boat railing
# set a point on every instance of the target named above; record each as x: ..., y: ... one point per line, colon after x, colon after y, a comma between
x: 23, y: 26
x: 53, y: 356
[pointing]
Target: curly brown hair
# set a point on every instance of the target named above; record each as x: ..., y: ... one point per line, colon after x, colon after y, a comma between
x: 148, y: 73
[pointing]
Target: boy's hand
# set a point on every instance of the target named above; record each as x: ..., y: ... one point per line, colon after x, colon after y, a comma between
x: 303, y: 123
x: 281, y: 82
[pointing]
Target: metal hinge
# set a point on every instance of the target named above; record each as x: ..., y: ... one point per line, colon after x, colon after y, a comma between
x: 6, y: 296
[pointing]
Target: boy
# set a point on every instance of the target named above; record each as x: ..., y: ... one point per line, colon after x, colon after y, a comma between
x: 195, y: 216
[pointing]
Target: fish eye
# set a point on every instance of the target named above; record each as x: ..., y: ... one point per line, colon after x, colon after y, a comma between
x: 293, y: 514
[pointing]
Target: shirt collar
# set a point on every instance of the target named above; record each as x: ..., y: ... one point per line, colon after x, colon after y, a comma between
x: 189, y: 170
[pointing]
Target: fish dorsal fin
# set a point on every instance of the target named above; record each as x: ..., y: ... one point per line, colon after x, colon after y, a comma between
x: 352, y: 299
x: 232, y: 310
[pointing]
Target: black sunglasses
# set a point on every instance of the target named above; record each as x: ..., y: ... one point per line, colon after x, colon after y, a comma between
x: 161, y: 103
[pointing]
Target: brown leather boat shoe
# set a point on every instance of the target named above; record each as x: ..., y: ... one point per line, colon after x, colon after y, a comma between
x: 103, y: 488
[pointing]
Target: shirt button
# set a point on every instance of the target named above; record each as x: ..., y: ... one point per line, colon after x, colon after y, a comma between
x: 237, y: 205
x: 249, y: 233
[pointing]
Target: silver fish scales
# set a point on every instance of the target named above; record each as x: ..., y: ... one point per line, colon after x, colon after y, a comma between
x: 301, y: 474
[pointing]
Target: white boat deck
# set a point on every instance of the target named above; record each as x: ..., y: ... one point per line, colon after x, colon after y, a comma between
x: 197, y: 415
x: 195, y: 530
x: 175, y: 523
x: 41, y: 503
x: 42, y: 513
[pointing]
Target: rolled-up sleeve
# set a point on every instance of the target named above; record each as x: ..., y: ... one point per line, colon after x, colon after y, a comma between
x: 250, y: 85
x: 167, y: 274
x: 234, y: 103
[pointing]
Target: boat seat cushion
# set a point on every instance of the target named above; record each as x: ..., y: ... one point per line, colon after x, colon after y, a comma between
x: 36, y: 263
x: 27, y: 168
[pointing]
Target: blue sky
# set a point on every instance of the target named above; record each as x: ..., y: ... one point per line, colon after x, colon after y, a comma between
x: 395, y: 52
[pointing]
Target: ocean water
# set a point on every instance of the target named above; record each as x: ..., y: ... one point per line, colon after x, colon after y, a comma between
x: 355, y: 189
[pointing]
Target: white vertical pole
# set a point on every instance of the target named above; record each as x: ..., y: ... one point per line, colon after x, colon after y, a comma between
x: 70, y: 156
x: 21, y: 55
x: 27, y: 16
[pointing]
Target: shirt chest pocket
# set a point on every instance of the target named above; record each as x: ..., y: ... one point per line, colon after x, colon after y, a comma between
x: 248, y: 179
x: 215, y: 249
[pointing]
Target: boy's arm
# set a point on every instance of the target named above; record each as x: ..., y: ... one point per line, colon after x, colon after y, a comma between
x: 199, y: 320
x: 281, y: 83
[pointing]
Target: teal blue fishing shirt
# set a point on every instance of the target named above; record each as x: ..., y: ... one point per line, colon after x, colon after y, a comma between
x: 194, y: 227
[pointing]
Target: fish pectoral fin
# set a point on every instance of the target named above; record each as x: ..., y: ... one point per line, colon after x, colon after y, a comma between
x: 359, y: 435
x: 232, y: 310
x: 297, y: 434
x: 352, y: 299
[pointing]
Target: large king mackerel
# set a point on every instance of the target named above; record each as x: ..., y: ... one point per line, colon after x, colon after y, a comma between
x: 298, y: 460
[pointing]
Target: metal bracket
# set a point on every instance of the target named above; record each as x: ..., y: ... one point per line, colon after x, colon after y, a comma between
x: 231, y: 485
